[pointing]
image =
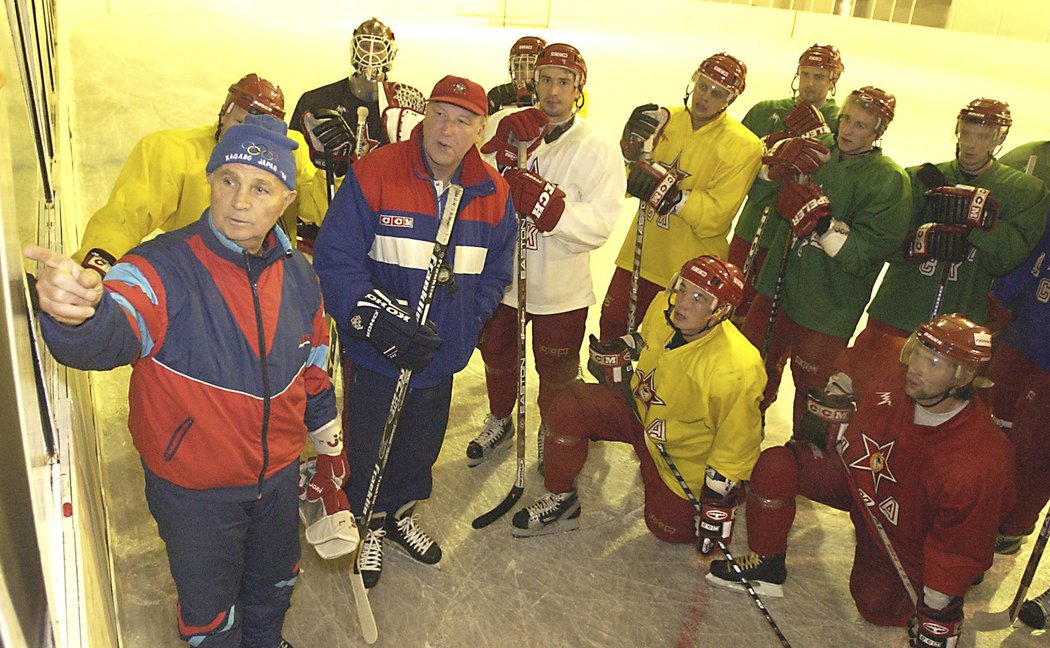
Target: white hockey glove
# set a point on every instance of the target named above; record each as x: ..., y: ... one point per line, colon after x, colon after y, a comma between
x: 718, y: 501
x: 323, y: 508
x: 399, y: 122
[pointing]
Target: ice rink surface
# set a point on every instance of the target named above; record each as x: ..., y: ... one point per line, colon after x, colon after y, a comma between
x: 610, y: 583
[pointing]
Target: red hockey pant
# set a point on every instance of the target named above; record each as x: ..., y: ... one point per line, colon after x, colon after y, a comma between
x: 613, y: 322
x: 738, y: 249
x: 785, y: 472
x: 874, y: 360
x: 588, y: 412
x: 812, y: 354
x: 556, y: 341
x: 1021, y: 396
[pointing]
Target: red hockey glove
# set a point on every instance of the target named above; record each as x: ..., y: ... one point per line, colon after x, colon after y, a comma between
x: 98, y: 260
x: 795, y: 156
x: 936, y: 241
x: 655, y: 184
x: 644, y: 123
x: 528, y: 125
x: 610, y: 362
x: 825, y: 413
x: 806, y: 121
x: 937, y: 628
x: 542, y: 201
x: 330, y: 474
x: 963, y: 205
x: 717, y: 513
x: 769, y: 140
x: 805, y: 207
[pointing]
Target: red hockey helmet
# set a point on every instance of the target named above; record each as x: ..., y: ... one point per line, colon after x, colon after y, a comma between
x: 372, y: 50
x: 523, y: 55
x: 823, y: 56
x: 721, y: 279
x: 563, y: 56
x: 877, y: 101
x: 954, y: 337
x: 256, y: 95
x: 987, y: 111
x: 726, y: 70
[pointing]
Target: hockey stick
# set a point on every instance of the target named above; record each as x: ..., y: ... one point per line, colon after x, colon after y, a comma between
x: 361, y: 141
x: 752, y: 252
x: 722, y: 546
x: 774, y: 305
x: 397, y: 403
x: 518, y: 488
x: 639, y: 232
x: 1029, y: 570
x: 880, y: 531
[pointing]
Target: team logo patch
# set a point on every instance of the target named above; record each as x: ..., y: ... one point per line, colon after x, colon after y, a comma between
x: 645, y: 390
x: 459, y: 88
x: 875, y: 460
x: 389, y: 220
x: 657, y: 431
x: 355, y: 323
x: 891, y: 509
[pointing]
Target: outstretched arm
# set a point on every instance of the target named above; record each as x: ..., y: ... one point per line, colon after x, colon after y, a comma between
x: 67, y: 292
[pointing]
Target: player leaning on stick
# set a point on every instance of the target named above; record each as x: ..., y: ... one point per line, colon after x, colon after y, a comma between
x: 163, y: 185
x: 372, y: 257
x: 846, y: 216
x: 714, y: 159
x: 695, y: 390
x: 570, y: 197
x: 810, y: 111
x: 972, y: 219
x: 923, y: 458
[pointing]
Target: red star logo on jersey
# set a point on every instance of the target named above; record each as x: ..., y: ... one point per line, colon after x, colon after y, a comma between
x: 675, y: 169
x: 876, y: 460
x: 645, y: 390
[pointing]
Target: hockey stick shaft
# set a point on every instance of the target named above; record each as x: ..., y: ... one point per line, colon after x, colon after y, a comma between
x: 360, y: 137
x: 518, y: 488
x: 722, y: 546
x: 437, y: 257
x: 877, y: 527
x: 774, y: 306
x: 636, y: 267
x: 1029, y: 570
x: 752, y: 252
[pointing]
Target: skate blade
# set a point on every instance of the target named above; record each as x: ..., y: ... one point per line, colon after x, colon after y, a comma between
x: 562, y: 526
x: 761, y: 588
x: 404, y: 552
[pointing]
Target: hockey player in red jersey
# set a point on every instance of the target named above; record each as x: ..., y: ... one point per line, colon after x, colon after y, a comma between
x: 810, y: 111
x: 702, y: 164
x: 921, y: 469
x: 694, y: 394
x: 572, y: 193
x: 519, y: 90
x: 972, y: 219
x: 328, y: 116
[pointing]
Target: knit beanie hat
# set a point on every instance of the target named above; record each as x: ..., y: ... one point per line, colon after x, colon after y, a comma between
x: 261, y: 141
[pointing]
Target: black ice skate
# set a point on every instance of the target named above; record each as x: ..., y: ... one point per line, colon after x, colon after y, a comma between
x: 1034, y: 612
x: 552, y: 513
x: 371, y: 558
x: 408, y: 537
x: 494, y: 436
x: 765, y: 573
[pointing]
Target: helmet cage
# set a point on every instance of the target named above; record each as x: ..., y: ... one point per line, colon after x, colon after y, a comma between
x: 523, y: 55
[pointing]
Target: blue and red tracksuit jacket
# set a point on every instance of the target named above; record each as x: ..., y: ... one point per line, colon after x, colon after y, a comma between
x: 379, y: 233
x: 228, y: 352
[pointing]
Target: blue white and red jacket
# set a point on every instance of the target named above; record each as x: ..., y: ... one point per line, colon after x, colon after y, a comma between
x: 379, y: 233
x: 228, y: 352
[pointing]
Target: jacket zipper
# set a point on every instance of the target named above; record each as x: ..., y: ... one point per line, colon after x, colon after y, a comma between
x: 265, y: 373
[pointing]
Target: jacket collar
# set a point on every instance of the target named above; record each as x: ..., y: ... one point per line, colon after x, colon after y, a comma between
x: 275, y: 246
x: 471, y: 173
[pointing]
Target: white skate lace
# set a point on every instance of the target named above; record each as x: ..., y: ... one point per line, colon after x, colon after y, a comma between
x: 546, y: 505
x: 372, y: 553
x: 494, y: 429
x: 415, y: 537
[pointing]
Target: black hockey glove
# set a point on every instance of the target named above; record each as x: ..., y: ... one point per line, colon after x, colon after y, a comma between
x: 393, y: 331
x: 641, y: 125
x: 515, y: 93
x: 610, y: 362
x: 936, y: 241
x: 336, y: 138
x: 963, y: 205
x: 932, y: 628
x: 655, y: 184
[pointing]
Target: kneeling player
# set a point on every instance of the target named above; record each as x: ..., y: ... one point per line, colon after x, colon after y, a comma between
x: 922, y: 470
x: 692, y: 403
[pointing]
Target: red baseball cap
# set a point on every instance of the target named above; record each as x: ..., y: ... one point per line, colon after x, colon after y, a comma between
x: 463, y: 93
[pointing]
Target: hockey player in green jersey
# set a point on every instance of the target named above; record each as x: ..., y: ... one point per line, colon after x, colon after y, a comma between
x: 810, y: 111
x: 972, y: 219
x: 845, y: 217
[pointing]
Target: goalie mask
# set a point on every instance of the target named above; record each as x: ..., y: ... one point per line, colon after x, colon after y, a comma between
x: 705, y: 277
x: 878, y: 102
x: 523, y: 55
x: 952, y: 342
x: 980, y: 131
x: 255, y: 95
x: 372, y: 50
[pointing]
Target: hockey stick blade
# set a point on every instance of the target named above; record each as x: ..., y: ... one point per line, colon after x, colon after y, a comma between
x: 365, y: 618
x: 510, y: 500
x: 991, y: 621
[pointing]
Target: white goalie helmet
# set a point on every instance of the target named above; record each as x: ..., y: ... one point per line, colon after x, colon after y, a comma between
x: 372, y: 50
